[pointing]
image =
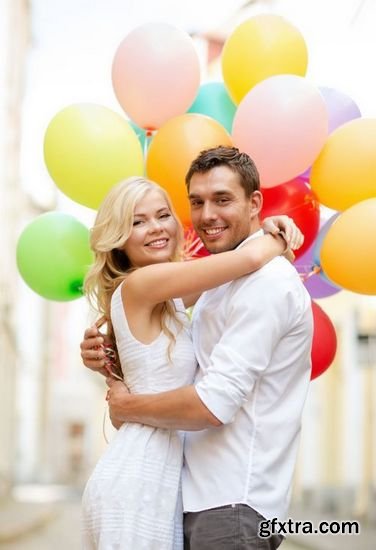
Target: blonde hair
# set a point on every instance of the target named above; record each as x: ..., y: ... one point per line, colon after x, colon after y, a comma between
x: 112, y: 227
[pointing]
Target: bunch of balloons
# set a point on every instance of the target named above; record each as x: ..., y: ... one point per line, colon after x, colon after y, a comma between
x: 310, y: 145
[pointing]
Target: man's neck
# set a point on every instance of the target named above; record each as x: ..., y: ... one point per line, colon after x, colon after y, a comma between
x: 254, y: 230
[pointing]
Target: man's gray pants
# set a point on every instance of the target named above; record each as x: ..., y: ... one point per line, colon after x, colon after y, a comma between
x: 232, y: 527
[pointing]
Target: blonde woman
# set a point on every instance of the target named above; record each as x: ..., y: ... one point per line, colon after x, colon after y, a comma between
x: 132, y: 499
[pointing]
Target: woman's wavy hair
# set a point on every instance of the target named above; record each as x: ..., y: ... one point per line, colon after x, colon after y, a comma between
x: 112, y: 227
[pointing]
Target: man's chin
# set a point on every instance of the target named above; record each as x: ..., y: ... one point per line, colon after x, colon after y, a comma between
x: 216, y: 248
x: 222, y: 245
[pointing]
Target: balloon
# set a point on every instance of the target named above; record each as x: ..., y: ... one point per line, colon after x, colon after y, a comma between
x: 345, y: 171
x: 295, y: 199
x: 306, y: 174
x: 53, y: 255
x: 341, y: 108
x: 173, y: 149
x: 214, y: 101
x: 282, y: 123
x: 140, y: 133
x: 324, y: 344
x: 193, y: 245
x: 262, y: 46
x: 348, y: 251
x: 317, y: 286
x: 87, y: 149
x: 320, y: 238
x: 155, y: 74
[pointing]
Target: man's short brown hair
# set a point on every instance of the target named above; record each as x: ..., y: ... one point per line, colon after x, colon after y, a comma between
x: 240, y: 163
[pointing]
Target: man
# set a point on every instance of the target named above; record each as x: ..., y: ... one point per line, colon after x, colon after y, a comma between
x: 252, y: 338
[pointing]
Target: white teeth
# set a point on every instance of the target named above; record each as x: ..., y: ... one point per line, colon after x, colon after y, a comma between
x: 160, y: 242
x: 214, y: 231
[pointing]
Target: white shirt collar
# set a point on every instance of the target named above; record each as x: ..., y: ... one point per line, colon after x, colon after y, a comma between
x: 258, y: 233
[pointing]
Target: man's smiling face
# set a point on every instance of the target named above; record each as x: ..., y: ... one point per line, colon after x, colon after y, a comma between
x: 221, y: 213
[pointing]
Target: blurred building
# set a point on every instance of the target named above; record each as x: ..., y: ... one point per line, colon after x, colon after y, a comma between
x: 50, y: 409
x: 336, y: 472
x: 13, y: 43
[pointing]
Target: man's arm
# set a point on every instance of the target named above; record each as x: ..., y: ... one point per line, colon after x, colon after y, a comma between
x: 179, y: 409
x: 98, y: 353
x: 252, y: 329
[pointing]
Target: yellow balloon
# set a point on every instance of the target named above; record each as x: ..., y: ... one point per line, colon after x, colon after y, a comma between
x: 347, y: 254
x: 345, y: 171
x: 87, y: 149
x: 176, y: 144
x: 263, y: 46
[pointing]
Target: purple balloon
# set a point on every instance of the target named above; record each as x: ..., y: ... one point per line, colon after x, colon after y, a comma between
x: 317, y: 286
x: 306, y: 175
x: 341, y: 108
x: 320, y: 237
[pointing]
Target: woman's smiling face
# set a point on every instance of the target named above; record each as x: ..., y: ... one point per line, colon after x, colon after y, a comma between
x: 154, y: 236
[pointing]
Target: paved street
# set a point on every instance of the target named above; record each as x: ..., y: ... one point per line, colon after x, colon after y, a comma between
x: 49, y: 523
x: 63, y: 533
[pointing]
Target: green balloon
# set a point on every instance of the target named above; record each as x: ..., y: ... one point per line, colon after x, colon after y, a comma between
x: 143, y: 138
x: 53, y: 256
x: 213, y: 100
x: 140, y: 133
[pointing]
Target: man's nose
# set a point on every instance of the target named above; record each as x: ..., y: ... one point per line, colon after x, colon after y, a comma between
x: 208, y: 212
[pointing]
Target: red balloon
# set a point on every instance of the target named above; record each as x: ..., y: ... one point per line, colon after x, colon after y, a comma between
x: 193, y: 246
x: 324, y: 345
x: 295, y: 199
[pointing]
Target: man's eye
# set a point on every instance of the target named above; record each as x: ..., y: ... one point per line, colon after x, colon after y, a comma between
x: 196, y: 203
x: 222, y: 201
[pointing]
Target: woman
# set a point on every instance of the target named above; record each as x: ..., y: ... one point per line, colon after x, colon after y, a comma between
x: 132, y: 499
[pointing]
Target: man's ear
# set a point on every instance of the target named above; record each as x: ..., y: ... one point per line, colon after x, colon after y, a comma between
x: 255, y: 203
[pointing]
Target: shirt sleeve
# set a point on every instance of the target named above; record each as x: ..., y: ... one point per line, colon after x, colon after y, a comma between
x: 253, y: 328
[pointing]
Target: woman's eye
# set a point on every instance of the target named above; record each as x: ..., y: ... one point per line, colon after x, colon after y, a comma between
x: 137, y: 222
x: 167, y: 215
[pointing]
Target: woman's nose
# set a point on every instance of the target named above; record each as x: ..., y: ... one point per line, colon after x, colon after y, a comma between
x: 155, y: 225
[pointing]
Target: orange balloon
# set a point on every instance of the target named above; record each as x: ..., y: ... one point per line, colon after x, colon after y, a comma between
x: 174, y: 147
x: 348, y: 250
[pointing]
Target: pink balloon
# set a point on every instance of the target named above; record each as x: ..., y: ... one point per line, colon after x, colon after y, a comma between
x: 282, y: 123
x: 155, y: 74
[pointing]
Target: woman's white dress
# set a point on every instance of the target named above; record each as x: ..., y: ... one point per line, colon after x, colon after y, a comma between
x: 132, y: 500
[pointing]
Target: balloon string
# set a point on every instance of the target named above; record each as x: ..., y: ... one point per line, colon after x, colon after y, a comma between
x: 307, y: 200
x: 314, y: 271
x: 104, y: 424
x: 192, y: 245
x: 148, y: 137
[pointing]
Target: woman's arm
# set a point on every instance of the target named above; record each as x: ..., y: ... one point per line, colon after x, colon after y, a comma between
x: 274, y: 225
x: 154, y: 284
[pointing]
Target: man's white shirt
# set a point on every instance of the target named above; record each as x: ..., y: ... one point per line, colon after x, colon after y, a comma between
x: 252, y: 338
